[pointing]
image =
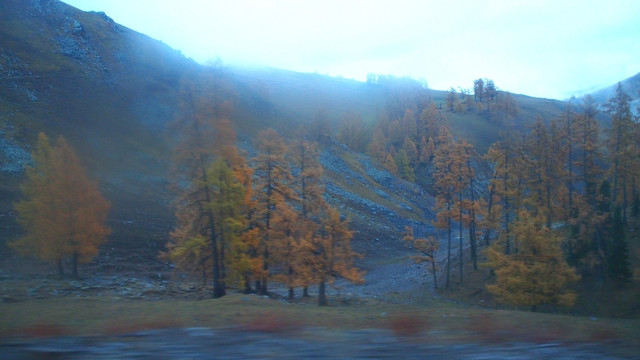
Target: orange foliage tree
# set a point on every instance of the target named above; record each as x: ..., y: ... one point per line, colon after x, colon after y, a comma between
x: 445, y: 191
x: 272, y: 190
x: 537, y: 273
x: 63, y: 212
x: 334, y: 256
x: 427, y: 249
x: 213, y: 184
x: 286, y: 250
x: 309, y: 188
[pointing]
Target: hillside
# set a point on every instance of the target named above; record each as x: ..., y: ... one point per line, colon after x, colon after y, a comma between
x: 114, y: 94
x: 109, y: 90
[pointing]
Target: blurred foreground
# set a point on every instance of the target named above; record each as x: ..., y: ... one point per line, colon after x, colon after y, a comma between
x: 310, y: 343
x: 241, y: 326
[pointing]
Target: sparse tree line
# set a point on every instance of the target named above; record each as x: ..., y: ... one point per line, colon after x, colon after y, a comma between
x: 486, y: 100
x: 246, y: 226
x: 404, y: 136
x: 562, y: 198
x: 562, y: 202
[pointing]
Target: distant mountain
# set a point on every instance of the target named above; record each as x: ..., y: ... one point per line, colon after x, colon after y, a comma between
x: 631, y: 86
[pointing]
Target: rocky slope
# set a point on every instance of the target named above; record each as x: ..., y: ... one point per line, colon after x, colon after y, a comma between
x: 113, y: 93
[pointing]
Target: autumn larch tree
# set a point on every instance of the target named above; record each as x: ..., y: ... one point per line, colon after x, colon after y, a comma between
x: 463, y: 178
x: 63, y: 212
x: 309, y: 190
x: 445, y: 192
x: 389, y: 162
x: 588, y: 132
x: 227, y: 200
x: 427, y: 249
x: 410, y: 148
x: 507, y: 182
x: 205, y: 137
x: 478, y: 90
x: 273, y: 188
x: 452, y: 99
x: 586, y: 245
x: 544, y: 170
x: 490, y: 91
x: 285, y: 249
x: 566, y: 141
x: 467, y: 101
x: 334, y: 257
x: 505, y: 162
x: 378, y: 146
x: 618, y: 249
x: 537, y: 274
x: 401, y: 161
x: 401, y: 128
x: 430, y: 122
x: 223, y: 211
x: 474, y: 205
x: 352, y: 132
x: 490, y: 222
x: 621, y: 149
x: 321, y: 127
x: 504, y: 109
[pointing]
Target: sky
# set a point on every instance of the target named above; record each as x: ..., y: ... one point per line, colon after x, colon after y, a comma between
x: 543, y: 48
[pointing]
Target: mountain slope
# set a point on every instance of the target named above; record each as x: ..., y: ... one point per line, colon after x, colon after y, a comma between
x: 109, y: 90
x: 113, y: 94
x: 631, y: 86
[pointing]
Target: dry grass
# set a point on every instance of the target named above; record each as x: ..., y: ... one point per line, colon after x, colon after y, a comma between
x: 440, y: 322
x: 277, y: 322
x: 407, y: 326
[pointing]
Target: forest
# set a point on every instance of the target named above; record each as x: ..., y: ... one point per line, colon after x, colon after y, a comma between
x: 558, y: 202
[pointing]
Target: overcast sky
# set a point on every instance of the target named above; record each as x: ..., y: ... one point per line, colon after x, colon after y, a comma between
x: 552, y: 49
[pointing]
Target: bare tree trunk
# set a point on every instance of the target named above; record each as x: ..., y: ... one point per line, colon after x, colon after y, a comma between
x: 322, y: 296
x: 291, y: 290
x: 218, y: 290
x: 460, y: 226
x: 74, y: 272
x: 60, y: 271
x: 472, y: 225
x: 487, y: 232
x: 434, y: 271
x: 223, y: 270
x: 505, y: 182
x: 624, y: 200
x: 264, y: 284
x: 448, y: 245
